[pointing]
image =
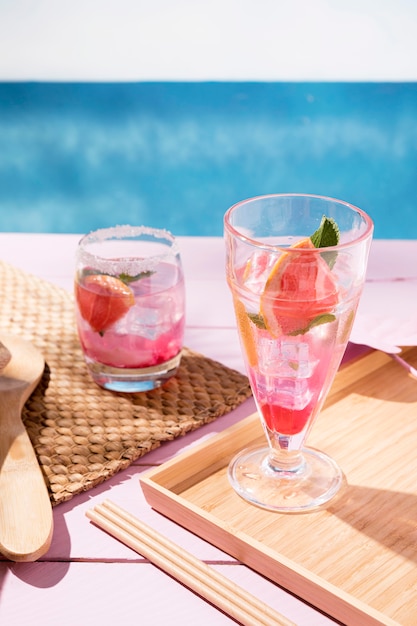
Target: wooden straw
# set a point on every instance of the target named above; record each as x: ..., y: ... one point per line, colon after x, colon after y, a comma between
x: 184, y: 567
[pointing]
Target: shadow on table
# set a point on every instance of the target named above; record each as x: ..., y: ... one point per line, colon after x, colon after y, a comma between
x: 388, y: 517
x: 59, y: 556
x: 62, y: 552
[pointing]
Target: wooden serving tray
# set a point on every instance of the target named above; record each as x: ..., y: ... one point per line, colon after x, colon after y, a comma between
x: 356, y: 560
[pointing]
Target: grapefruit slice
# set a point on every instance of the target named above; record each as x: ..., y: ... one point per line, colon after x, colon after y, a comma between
x: 102, y: 300
x: 300, y: 292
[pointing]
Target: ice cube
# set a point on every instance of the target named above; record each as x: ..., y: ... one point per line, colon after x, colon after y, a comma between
x: 256, y: 272
x: 142, y: 321
x: 145, y: 323
x: 285, y: 358
x: 291, y: 393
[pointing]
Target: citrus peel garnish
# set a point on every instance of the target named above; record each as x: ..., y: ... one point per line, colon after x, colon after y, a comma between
x: 246, y: 332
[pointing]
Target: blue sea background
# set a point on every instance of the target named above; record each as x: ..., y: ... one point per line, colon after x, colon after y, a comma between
x: 79, y: 156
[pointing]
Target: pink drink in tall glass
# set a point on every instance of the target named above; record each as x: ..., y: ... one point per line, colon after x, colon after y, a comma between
x: 296, y: 268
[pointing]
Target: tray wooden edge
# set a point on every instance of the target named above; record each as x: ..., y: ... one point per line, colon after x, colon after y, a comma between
x: 162, y: 488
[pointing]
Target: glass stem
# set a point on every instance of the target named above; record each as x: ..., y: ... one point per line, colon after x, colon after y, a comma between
x: 284, y: 456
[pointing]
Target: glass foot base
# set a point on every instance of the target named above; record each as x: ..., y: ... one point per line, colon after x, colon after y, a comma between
x: 312, y: 485
x: 126, y: 380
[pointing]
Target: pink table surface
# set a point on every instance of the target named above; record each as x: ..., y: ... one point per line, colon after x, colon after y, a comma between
x: 87, y: 577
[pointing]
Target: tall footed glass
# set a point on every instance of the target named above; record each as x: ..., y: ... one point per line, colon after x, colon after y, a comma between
x: 296, y: 267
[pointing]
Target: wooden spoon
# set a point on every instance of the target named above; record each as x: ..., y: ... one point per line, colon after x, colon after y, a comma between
x: 26, y: 521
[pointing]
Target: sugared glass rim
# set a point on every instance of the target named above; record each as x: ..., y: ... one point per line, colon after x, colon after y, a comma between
x: 127, y: 264
x: 262, y: 244
x: 126, y: 231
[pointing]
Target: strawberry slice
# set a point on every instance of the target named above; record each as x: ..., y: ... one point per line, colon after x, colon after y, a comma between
x: 103, y: 300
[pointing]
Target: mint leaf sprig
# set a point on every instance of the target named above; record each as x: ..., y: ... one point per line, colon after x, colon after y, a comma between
x: 127, y: 278
x: 124, y: 277
x: 327, y: 235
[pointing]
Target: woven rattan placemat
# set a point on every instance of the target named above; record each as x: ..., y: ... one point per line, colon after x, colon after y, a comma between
x: 81, y: 433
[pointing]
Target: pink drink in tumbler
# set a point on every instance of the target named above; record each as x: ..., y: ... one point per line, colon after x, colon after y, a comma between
x: 130, y: 308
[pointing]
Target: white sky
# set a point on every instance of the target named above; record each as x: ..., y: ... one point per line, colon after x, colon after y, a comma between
x: 208, y: 40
